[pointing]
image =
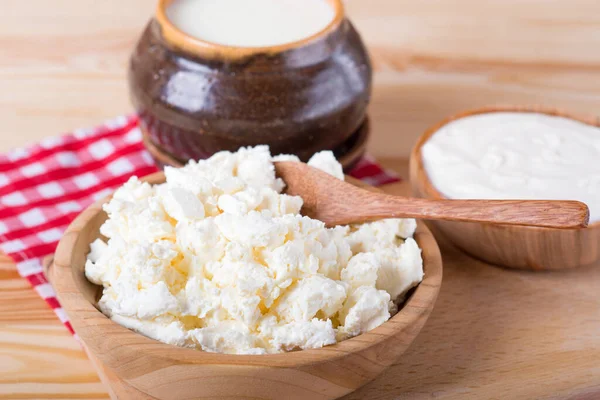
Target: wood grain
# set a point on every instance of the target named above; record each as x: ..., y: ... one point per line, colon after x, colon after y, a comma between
x: 495, y: 333
x: 534, y: 248
x: 134, y: 365
x: 38, y: 357
x: 336, y: 202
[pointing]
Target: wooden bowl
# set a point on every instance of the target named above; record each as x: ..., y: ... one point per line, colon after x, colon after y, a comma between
x: 196, y: 98
x: 510, y: 246
x: 134, y: 366
x: 348, y: 154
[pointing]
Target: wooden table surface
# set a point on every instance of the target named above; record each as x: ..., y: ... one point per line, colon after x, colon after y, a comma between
x: 495, y: 333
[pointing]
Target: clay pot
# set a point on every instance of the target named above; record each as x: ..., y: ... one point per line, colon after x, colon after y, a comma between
x: 195, y: 98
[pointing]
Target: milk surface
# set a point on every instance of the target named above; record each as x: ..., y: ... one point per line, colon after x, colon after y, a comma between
x: 516, y: 156
x: 250, y: 23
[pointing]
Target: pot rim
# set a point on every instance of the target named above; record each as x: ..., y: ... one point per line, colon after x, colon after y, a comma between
x: 203, y: 48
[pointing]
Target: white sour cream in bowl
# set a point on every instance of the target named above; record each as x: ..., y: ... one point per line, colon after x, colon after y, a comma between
x: 516, y: 155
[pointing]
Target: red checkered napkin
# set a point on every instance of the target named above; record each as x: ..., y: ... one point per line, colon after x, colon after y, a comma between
x: 43, y: 187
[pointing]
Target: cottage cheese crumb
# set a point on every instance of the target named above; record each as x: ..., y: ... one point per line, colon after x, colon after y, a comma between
x: 325, y: 161
x: 218, y: 259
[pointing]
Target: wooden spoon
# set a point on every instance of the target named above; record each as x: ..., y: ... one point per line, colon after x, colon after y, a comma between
x: 336, y: 202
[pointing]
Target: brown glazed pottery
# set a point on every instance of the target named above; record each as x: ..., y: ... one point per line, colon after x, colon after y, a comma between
x: 348, y: 154
x: 195, y: 98
x: 521, y: 247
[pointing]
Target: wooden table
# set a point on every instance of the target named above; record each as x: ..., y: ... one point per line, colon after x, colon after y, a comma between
x: 495, y: 333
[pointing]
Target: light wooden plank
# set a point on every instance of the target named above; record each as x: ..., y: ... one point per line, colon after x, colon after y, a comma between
x: 494, y: 333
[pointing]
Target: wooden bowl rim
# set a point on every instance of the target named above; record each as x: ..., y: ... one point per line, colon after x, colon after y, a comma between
x: 416, y: 159
x: 351, y: 157
x: 80, y: 310
x: 204, y: 48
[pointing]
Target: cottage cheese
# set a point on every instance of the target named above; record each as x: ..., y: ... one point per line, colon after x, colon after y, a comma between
x: 218, y: 259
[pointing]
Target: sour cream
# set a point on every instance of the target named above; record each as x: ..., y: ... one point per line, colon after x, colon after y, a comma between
x: 516, y: 155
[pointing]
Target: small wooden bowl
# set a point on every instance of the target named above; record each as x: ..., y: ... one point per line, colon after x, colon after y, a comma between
x: 196, y: 98
x: 510, y: 246
x: 134, y: 366
x: 348, y: 154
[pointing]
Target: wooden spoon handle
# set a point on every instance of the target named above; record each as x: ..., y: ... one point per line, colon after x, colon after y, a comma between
x: 543, y: 213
